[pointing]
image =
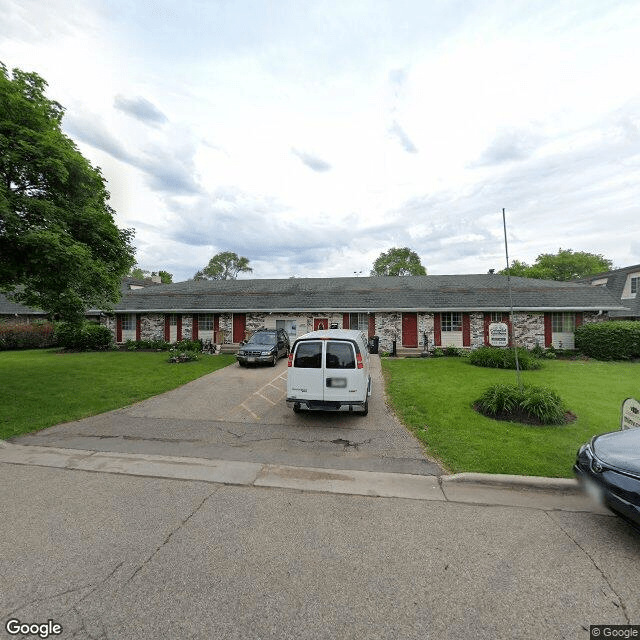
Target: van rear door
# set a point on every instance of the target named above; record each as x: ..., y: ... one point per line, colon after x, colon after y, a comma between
x: 308, y: 382
x: 344, y: 382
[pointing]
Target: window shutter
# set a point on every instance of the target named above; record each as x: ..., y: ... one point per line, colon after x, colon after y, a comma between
x: 547, y: 330
x: 179, y: 328
x: 487, y: 322
x: 466, y: 330
x: 138, y: 327
x: 372, y: 325
x: 194, y: 330
x: 118, y: 328
x: 345, y: 320
x: 437, y: 331
x: 167, y: 327
x: 579, y: 319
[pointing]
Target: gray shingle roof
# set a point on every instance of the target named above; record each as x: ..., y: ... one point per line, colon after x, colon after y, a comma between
x: 417, y: 293
x: 616, y: 280
x: 9, y: 307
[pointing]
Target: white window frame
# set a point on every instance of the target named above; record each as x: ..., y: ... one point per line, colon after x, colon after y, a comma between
x: 128, y: 325
x: 635, y: 284
x: 361, y: 322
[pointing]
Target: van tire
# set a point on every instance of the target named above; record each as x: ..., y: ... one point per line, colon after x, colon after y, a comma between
x: 296, y: 408
x: 366, y: 408
x: 275, y: 360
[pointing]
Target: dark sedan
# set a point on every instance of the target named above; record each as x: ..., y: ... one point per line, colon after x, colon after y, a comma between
x: 609, y: 470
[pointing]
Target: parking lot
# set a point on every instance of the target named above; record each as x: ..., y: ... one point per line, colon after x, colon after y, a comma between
x: 240, y: 413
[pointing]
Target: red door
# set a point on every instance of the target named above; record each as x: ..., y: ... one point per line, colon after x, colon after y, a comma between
x: 320, y: 323
x: 239, y: 326
x: 410, y: 330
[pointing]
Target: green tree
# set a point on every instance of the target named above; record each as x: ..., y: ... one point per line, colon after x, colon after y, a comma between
x: 224, y: 266
x: 141, y: 274
x: 165, y: 277
x: 61, y: 249
x: 398, y: 262
x: 564, y: 265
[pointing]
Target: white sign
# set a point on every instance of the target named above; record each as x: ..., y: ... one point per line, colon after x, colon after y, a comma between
x: 498, y: 334
x: 630, y: 414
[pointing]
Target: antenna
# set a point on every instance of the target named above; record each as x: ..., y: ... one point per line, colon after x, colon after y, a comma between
x: 513, y: 325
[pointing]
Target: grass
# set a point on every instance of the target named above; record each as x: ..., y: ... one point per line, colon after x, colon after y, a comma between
x: 41, y: 388
x: 434, y: 399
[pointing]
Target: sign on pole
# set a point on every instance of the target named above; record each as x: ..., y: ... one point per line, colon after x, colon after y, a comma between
x: 498, y: 334
x: 630, y: 414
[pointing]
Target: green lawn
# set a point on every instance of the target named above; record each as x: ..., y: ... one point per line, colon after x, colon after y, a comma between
x: 41, y: 388
x: 434, y: 398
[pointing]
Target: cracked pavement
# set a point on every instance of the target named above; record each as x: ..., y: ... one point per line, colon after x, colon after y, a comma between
x: 114, y: 557
x: 240, y: 414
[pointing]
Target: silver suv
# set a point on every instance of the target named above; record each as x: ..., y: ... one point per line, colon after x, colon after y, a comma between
x: 265, y: 346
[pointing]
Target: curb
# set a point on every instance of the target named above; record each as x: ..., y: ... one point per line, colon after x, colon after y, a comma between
x: 523, y: 483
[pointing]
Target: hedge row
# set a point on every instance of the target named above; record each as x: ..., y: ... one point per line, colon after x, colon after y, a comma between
x: 614, y: 340
x: 38, y: 335
x: 88, y: 336
x: 496, y: 358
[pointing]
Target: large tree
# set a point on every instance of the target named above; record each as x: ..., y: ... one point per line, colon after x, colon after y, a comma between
x: 398, y: 262
x: 224, y: 266
x: 564, y: 265
x: 60, y: 248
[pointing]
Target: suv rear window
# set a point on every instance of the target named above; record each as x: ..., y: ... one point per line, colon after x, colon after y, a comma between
x: 308, y: 355
x: 340, y: 356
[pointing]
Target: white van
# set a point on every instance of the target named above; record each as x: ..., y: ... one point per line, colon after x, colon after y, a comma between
x: 329, y: 370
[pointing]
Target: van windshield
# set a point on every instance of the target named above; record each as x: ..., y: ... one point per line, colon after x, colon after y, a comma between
x: 340, y: 356
x: 308, y: 355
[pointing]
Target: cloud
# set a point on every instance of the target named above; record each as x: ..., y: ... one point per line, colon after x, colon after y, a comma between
x: 313, y: 162
x: 401, y: 135
x: 509, y: 145
x: 168, y: 169
x: 140, y: 109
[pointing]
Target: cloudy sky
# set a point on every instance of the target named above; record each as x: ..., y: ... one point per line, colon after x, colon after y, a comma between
x: 310, y: 136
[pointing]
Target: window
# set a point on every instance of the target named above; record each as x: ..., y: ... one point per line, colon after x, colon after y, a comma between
x: 359, y: 321
x: 635, y: 284
x: 563, y: 322
x: 451, y: 321
x: 340, y: 356
x: 173, y: 320
x: 129, y: 322
x: 205, y: 322
x: 309, y: 355
x: 496, y: 316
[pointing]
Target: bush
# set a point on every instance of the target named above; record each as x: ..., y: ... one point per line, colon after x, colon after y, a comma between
x: 495, y: 358
x: 508, y: 401
x: 183, y: 356
x: 612, y: 340
x: 189, y: 345
x: 37, y: 335
x: 452, y: 351
x: 85, y: 336
x: 437, y: 352
x: 155, y: 344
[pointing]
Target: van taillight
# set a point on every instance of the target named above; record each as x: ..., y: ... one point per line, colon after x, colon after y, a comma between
x: 359, y: 361
x: 290, y: 362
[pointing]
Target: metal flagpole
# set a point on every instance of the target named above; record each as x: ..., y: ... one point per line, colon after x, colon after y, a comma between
x: 513, y: 326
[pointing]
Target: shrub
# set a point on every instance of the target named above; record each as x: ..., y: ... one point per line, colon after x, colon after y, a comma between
x: 496, y: 358
x: 183, y: 356
x: 37, y: 335
x: 437, y: 352
x: 155, y: 344
x: 612, y: 340
x: 189, y: 345
x: 531, y: 403
x: 452, y: 351
x: 85, y: 336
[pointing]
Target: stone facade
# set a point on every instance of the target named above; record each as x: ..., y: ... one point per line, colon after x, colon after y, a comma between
x: 529, y: 327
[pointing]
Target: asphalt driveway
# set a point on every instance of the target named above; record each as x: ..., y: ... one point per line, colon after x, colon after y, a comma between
x: 240, y: 414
